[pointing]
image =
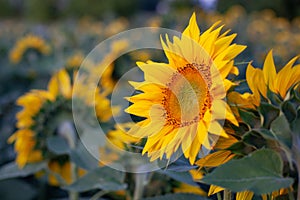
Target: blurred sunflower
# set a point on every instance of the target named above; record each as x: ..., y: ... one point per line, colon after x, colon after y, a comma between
x: 28, y: 42
x: 74, y: 61
x: 262, y: 80
x: 45, y: 114
x: 182, y: 101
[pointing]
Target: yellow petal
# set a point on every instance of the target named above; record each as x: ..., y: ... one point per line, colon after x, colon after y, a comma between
x: 213, y: 189
x: 269, y: 71
x: 245, y: 195
x: 192, y: 30
x: 216, y: 129
x: 157, y: 73
x: 60, y: 83
x: 215, y: 159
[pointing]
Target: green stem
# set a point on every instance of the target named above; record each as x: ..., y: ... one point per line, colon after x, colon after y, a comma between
x: 291, y: 195
x: 99, y: 194
x: 67, y: 131
x: 74, y: 195
x: 227, y: 194
x: 140, y: 180
x: 219, y: 197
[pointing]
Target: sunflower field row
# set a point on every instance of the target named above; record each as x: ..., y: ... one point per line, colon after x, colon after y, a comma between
x: 209, y: 108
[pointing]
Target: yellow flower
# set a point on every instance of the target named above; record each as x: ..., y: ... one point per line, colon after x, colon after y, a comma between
x: 43, y: 112
x: 260, y: 80
x: 182, y: 101
x: 28, y: 42
x: 74, y: 61
x: 244, y: 195
x: 186, y: 188
x: 248, y: 195
x: 63, y: 170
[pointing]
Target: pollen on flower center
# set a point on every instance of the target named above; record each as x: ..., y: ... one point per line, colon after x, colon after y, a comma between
x: 186, y: 97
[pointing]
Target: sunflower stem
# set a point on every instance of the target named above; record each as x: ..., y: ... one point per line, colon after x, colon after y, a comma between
x: 219, y: 197
x: 67, y: 130
x: 99, y: 194
x: 227, y: 194
x: 140, y: 180
x: 73, y: 195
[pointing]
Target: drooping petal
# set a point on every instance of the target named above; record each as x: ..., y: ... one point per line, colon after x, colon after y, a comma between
x: 269, y: 71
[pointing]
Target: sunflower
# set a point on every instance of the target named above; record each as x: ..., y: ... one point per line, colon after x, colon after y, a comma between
x: 28, y: 42
x: 182, y: 101
x: 74, y: 61
x: 262, y: 80
x: 43, y: 115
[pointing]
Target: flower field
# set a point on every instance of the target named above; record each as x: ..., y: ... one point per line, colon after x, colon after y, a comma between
x: 186, y: 104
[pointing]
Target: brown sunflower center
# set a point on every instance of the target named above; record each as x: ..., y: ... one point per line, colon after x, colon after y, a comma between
x: 186, y: 97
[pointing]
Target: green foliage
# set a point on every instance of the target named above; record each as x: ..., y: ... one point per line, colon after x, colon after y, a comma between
x: 250, y: 118
x: 281, y: 130
x: 58, y: 145
x: 103, y: 178
x: 11, y: 170
x: 268, y: 112
x: 184, y: 177
x: 257, y: 172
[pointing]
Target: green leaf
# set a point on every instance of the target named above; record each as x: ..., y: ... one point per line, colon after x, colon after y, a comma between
x: 11, y: 170
x: 179, y: 176
x: 178, y: 196
x: 82, y: 158
x: 180, y: 165
x: 260, y: 172
x: 273, y: 97
x: 255, y: 138
x: 296, y: 124
x: 104, y: 178
x: 241, y: 148
x: 289, y: 110
x: 58, y: 145
x: 269, y: 113
x: 280, y: 127
x: 250, y: 118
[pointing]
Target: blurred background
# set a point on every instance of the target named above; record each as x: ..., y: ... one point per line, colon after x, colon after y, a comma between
x: 67, y: 30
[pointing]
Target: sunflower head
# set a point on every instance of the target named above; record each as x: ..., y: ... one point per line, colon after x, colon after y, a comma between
x: 28, y: 42
x: 74, y: 61
x: 47, y: 114
x: 182, y: 101
x: 267, y: 80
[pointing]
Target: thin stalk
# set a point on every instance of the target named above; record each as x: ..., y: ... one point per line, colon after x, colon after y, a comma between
x: 67, y: 131
x: 99, y: 194
x: 219, y: 196
x: 227, y: 194
x: 140, y: 180
x: 291, y: 195
x: 73, y: 195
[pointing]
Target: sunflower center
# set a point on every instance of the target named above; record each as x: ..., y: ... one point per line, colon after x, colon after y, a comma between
x: 186, y: 97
